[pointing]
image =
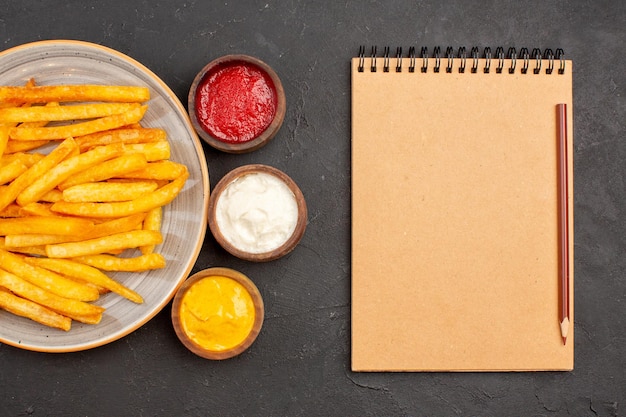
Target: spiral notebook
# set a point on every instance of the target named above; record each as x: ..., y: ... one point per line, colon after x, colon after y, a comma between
x: 455, y: 230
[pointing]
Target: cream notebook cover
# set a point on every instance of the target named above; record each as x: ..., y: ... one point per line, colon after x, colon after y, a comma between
x: 454, y: 213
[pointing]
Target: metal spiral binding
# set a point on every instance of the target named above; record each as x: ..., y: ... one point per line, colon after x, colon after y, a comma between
x: 549, y: 56
x: 436, y: 53
x: 488, y: 60
x: 500, y: 56
x: 526, y: 57
x: 474, y: 53
x: 450, y: 57
x: 537, y: 55
x: 399, y: 59
x: 512, y: 56
x: 361, y: 58
x: 386, y: 59
x: 559, y: 55
x: 373, y: 66
x: 462, y: 57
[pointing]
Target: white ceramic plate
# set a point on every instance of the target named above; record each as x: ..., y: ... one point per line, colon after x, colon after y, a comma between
x: 184, y: 223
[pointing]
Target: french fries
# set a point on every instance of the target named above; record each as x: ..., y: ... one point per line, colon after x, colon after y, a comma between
x: 45, y: 279
x: 66, y: 169
x: 57, y: 113
x: 74, y: 309
x: 78, y: 129
x: 34, y: 224
x: 152, y: 222
x: 11, y: 171
x: 145, y: 203
x: 4, y: 137
x: 122, y: 135
x: 124, y: 164
x: 36, y: 312
x: 105, y: 244
x: 115, y: 263
x: 67, y: 93
x: 36, y: 171
x: 89, y: 204
x: 98, y: 192
x: 86, y: 273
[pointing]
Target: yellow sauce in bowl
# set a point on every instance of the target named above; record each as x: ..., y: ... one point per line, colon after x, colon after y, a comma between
x: 217, y: 313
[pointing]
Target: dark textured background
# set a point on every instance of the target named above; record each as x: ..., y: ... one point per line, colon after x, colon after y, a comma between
x: 299, y: 365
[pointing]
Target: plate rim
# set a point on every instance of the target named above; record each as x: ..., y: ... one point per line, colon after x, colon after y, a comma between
x: 101, y: 341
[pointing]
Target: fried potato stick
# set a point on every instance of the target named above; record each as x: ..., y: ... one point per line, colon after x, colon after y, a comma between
x: 162, y: 170
x: 77, y: 310
x: 63, y: 113
x: 17, y: 242
x: 153, y: 221
x: 153, y: 151
x: 29, y: 250
x: 127, y: 240
x: 35, y: 171
x: 28, y: 159
x: 67, y: 93
x: 108, y: 191
x: 15, y: 146
x: 45, y: 279
x: 143, y: 204
x: 38, y: 209
x: 116, y: 263
x: 120, y: 165
x: 121, y: 135
x: 10, y: 211
x: 4, y: 138
x: 78, y: 129
x: 65, y: 169
x: 26, y: 308
x: 122, y: 224
x: 86, y: 273
x: 70, y: 226
x: 11, y: 171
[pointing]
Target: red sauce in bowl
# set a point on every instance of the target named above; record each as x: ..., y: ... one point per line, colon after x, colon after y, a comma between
x: 236, y: 102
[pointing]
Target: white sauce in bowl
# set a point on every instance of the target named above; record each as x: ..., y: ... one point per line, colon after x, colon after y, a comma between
x: 257, y: 213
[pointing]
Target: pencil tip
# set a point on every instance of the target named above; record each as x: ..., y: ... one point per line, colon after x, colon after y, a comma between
x: 564, y: 329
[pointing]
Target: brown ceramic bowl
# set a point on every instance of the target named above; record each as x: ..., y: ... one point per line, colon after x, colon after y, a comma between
x: 258, y: 309
x: 261, y: 139
x: 288, y: 245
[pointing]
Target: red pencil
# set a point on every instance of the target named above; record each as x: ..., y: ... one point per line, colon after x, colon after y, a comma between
x: 564, y: 320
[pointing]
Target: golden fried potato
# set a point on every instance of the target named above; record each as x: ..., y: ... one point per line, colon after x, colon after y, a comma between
x: 75, y: 309
x: 102, y: 192
x: 53, y: 225
x: 36, y: 171
x: 36, y: 312
x: 123, y: 164
x: 68, y: 93
x: 115, y: 263
x: 82, y: 183
x: 159, y: 197
x: 62, y: 113
x: 78, y: 129
x: 153, y: 221
x: 86, y: 273
x: 121, y: 135
x: 118, y: 241
x: 62, y: 171
x: 42, y: 278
